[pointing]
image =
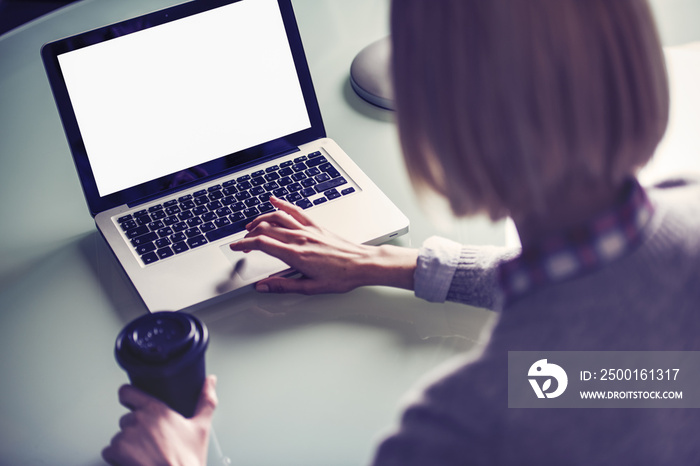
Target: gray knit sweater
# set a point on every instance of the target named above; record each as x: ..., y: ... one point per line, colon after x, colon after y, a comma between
x: 647, y: 300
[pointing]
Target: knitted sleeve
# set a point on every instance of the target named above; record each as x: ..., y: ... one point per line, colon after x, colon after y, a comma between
x: 466, y: 274
x: 475, y: 281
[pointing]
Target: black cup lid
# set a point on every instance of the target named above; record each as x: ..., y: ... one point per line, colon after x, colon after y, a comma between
x: 160, y: 337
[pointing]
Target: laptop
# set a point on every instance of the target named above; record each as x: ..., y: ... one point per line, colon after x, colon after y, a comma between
x: 182, y: 123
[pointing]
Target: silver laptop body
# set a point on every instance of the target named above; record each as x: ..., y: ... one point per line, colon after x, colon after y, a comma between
x: 182, y: 123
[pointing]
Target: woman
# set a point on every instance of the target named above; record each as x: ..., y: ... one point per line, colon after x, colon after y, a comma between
x: 541, y: 110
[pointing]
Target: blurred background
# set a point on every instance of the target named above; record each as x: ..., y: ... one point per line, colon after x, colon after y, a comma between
x: 676, y: 18
x: 14, y: 13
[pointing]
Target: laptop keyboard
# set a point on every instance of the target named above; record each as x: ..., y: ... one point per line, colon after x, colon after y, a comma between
x: 206, y: 215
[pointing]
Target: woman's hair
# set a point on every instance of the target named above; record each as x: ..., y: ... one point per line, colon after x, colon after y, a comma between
x: 503, y: 104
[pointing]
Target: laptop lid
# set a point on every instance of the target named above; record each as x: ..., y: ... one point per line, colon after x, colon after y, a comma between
x: 137, y: 127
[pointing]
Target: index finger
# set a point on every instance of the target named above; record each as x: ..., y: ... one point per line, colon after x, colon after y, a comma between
x: 268, y: 245
x: 277, y: 217
x: 296, y: 212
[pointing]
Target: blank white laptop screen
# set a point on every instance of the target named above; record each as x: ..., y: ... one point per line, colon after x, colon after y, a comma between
x: 184, y: 93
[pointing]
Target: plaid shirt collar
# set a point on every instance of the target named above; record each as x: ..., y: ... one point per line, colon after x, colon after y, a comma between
x: 581, y: 249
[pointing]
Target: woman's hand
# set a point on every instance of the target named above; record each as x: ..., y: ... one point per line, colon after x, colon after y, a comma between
x: 328, y: 263
x: 154, y: 434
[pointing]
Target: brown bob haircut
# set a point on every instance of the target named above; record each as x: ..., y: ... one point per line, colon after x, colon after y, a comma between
x: 502, y: 105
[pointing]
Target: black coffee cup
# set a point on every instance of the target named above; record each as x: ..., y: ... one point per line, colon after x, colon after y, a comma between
x: 163, y: 354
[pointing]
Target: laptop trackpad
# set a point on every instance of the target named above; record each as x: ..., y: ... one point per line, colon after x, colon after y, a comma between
x: 254, y: 265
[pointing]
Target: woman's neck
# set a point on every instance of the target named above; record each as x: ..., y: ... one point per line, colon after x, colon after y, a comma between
x: 576, y: 205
